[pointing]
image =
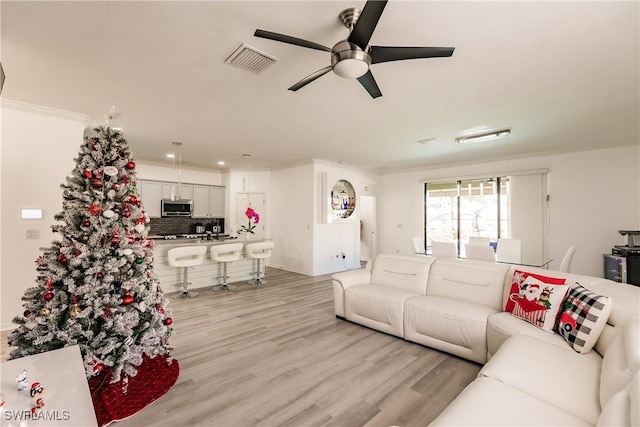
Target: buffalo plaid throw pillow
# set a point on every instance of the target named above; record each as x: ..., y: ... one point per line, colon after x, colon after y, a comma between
x: 583, y: 317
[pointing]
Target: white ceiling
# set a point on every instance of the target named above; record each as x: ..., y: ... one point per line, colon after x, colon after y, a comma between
x: 563, y: 75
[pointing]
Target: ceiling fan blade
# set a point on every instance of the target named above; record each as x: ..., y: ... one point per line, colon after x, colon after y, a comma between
x: 369, y: 17
x: 390, y: 53
x: 291, y: 40
x: 369, y: 83
x: 311, y: 77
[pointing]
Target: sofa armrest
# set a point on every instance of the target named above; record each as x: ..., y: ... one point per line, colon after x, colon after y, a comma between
x: 343, y: 280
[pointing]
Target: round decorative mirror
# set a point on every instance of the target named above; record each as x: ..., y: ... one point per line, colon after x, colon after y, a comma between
x: 343, y: 199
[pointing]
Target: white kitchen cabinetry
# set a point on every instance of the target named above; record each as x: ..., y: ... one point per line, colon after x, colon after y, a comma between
x: 182, y: 191
x: 208, y: 201
x: 216, y: 202
x: 150, y: 193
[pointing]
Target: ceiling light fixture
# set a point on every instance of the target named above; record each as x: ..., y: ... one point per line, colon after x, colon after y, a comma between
x: 1, y: 77
x: 487, y: 136
x: 221, y: 163
x: 177, y: 145
x: 349, y: 61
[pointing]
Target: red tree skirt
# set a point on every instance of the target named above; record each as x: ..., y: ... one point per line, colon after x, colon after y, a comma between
x: 155, y: 377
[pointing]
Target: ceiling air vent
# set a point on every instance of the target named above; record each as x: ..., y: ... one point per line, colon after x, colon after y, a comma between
x: 250, y: 58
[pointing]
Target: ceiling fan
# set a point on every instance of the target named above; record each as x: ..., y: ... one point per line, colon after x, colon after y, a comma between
x: 350, y: 58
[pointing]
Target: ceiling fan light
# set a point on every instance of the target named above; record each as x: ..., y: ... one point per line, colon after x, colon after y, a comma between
x: 351, y: 68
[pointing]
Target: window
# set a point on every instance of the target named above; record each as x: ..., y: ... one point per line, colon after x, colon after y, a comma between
x: 457, y: 210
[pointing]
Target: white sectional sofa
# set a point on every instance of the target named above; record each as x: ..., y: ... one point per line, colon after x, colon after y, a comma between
x: 530, y: 376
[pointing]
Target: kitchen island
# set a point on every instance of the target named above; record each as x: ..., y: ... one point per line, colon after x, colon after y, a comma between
x: 204, y: 275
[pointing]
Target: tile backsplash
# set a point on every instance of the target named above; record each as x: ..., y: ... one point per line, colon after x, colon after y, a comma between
x: 176, y: 225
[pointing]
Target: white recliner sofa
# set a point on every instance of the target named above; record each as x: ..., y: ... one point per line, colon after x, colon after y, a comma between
x: 530, y: 376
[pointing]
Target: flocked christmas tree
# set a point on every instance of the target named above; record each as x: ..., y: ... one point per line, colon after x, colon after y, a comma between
x: 97, y: 287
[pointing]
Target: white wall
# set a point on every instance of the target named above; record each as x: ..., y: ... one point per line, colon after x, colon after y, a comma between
x: 37, y: 154
x: 593, y: 194
x: 331, y: 239
x: 169, y: 173
x: 305, y: 243
x: 292, y: 218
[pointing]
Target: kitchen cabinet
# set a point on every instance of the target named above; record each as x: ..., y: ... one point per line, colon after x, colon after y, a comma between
x: 208, y: 201
x: 150, y: 192
x: 182, y: 191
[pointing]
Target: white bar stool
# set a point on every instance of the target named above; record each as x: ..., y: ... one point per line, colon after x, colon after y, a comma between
x: 228, y: 252
x: 185, y: 257
x: 258, y: 251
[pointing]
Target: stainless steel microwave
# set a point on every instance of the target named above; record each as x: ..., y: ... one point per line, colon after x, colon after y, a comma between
x: 176, y: 207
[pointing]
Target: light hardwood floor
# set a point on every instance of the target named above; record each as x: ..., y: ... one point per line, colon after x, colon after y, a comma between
x: 277, y: 356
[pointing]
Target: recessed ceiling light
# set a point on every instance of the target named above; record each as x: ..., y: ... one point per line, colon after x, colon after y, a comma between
x: 171, y: 155
x: 220, y: 162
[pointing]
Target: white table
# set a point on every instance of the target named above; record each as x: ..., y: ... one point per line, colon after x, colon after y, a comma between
x: 67, y: 397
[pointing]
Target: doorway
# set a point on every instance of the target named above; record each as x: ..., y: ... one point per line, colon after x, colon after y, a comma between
x: 368, y: 241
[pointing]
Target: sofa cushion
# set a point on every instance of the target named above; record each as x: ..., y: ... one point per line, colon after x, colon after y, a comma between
x: 477, y: 282
x: 564, y: 379
x: 521, y: 278
x: 622, y: 409
x: 621, y: 360
x: 457, y: 327
x: 378, y: 307
x: 408, y: 272
x: 582, y: 318
x: 539, y: 303
x: 501, y: 326
x: 489, y: 402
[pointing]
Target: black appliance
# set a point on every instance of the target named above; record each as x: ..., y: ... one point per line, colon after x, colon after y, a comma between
x: 198, y: 228
x: 623, y: 264
x: 216, y: 226
x: 176, y: 207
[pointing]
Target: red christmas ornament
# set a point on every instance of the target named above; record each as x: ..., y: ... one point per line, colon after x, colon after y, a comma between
x: 47, y: 296
x: 106, y: 313
x: 126, y: 213
x: 133, y: 199
x: 94, y: 209
x: 88, y: 174
x: 115, y: 240
x: 125, y: 179
x: 63, y: 259
x: 160, y: 309
x: 77, y: 253
x: 96, y: 182
x: 99, y: 275
x: 86, y: 223
x: 168, y: 321
x: 131, y: 165
x: 127, y: 299
x: 99, y: 367
x: 115, y: 187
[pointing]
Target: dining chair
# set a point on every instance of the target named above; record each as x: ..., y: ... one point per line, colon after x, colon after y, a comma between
x: 418, y: 245
x: 480, y: 252
x: 444, y: 249
x: 477, y: 240
x: 565, y: 266
x: 509, y: 250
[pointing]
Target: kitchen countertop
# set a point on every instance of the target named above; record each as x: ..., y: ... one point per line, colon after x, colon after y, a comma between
x: 201, y: 241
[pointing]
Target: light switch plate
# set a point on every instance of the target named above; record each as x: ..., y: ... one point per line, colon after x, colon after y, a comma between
x: 32, y: 234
